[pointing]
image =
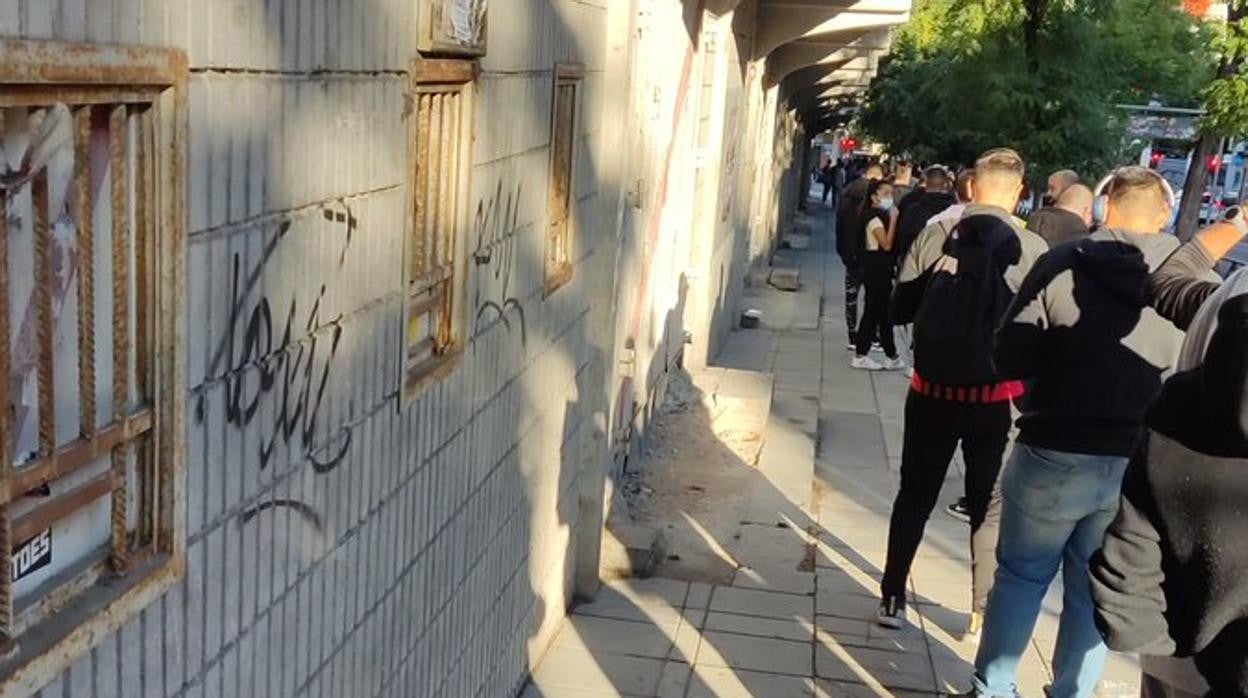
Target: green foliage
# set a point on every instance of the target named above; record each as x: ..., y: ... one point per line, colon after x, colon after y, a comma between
x: 1042, y: 76
x: 1226, y: 98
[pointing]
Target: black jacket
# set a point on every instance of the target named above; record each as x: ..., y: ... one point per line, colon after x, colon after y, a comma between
x: 1172, y: 578
x: 1093, y: 355
x: 849, y: 230
x: 913, y: 213
x: 1057, y: 226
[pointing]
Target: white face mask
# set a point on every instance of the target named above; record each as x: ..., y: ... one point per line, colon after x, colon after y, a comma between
x: 886, y: 204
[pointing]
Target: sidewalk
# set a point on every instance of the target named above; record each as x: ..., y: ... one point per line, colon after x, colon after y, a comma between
x: 805, y: 557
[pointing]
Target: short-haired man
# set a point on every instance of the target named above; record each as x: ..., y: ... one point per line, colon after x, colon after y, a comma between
x: 914, y: 211
x: 1093, y: 353
x: 1067, y: 220
x: 962, y: 189
x: 940, y: 412
x: 1059, y: 182
x: 850, y: 237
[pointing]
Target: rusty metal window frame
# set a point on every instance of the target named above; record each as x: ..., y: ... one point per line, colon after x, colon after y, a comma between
x: 143, y: 89
x: 439, y: 167
x: 561, y: 223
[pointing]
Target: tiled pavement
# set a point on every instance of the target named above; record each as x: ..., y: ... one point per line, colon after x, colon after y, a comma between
x: 796, y: 620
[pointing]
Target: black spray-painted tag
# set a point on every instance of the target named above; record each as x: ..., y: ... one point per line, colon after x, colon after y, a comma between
x: 32, y: 555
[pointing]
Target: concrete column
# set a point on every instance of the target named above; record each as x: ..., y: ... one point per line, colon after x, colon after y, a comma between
x: 596, y: 451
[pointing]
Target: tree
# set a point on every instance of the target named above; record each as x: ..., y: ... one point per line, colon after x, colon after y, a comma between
x: 1043, y: 76
x: 1226, y: 111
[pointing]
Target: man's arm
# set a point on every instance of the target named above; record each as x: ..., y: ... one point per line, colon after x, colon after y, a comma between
x: 1178, y: 288
x: 1126, y: 574
x: 915, y: 270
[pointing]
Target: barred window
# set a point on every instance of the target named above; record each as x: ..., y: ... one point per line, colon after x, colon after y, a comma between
x: 91, y: 248
x: 438, y: 168
x: 561, y: 199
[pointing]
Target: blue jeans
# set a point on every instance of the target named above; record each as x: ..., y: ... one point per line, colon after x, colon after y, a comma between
x: 1056, y: 510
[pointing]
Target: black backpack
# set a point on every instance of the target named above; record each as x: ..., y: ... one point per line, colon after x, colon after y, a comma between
x: 963, y: 303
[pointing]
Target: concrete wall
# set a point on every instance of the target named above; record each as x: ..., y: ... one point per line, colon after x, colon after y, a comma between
x: 343, y: 542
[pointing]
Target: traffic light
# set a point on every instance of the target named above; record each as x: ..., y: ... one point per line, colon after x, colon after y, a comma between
x: 848, y: 144
x: 1215, y: 163
x: 1154, y: 160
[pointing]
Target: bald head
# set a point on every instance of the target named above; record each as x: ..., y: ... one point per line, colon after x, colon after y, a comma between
x: 1078, y: 200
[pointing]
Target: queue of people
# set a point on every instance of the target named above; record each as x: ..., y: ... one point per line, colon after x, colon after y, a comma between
x: 1117, y: 365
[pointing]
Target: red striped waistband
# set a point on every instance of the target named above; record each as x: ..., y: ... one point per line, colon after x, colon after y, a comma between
x: 1004, y: 391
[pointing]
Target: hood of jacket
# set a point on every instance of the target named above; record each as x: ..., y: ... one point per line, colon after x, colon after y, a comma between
x: 1120, y: 261
x: 1116, y: 267
x: 932, y: 202
x: 986, y: 230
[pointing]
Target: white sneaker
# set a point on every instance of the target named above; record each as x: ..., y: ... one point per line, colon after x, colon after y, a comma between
x: 866, y: 363
x: 893, y: 364
x: 892, y: 613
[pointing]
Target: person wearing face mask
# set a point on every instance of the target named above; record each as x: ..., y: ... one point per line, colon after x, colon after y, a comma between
x: 879, y: 226
x: 1081, y: 333
x: 849, y: 242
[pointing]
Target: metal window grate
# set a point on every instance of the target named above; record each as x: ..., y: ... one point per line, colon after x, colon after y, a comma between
x: 441, y: 136
x: 83, y: 164
x: 90, y: 256
x: 558, y: 266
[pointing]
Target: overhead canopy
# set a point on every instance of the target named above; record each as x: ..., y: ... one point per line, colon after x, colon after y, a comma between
x: 823, y: 53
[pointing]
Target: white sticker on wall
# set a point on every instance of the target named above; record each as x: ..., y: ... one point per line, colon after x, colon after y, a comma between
x: 467, y: 20
x: 32, y: 555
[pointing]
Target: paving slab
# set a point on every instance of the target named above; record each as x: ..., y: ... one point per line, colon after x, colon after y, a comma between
x: 797, y: 630
x: 737, y: 651
x: 720, y: 682
x: 612, y: 636
x: 599, y: 672
x: 894, y: 670
x: 767, y: 604
x: 775, y: 577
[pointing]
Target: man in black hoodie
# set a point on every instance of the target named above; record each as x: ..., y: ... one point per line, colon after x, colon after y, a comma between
x: 1080, y: 333
x: 914, y: 211
x: 1172, y: 577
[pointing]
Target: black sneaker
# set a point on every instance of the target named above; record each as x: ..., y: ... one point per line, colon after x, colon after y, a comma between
x: 892, y: 613
x: 959, y: 511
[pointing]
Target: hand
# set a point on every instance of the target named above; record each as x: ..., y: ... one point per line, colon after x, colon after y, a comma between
x: 1219, y: 238
x: 1236, y: 216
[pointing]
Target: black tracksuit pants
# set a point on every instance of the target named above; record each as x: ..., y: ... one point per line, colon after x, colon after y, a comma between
x: 933, y: 430
x: 877, y: 276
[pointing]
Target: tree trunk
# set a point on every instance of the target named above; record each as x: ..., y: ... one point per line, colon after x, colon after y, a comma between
x: 1198, y: 173
x: 1035, y: 11
x: 1194, y: 186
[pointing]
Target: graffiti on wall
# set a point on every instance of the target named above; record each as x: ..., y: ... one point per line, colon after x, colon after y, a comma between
x: 281, y: 351
x: 495, y: 229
